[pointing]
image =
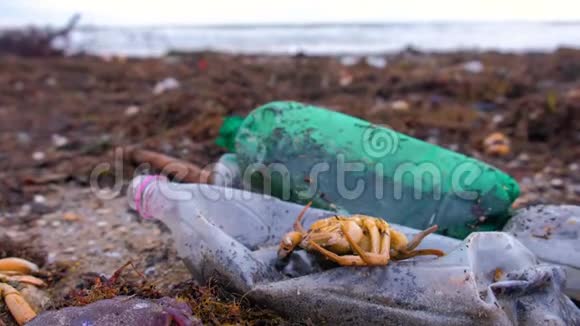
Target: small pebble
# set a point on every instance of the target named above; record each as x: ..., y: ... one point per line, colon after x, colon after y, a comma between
x: 69, y: 250
x: 102, y: 224
x: 345, y: 78
x: 497, y: 119
x: 474, y: 67
x: 71, y: 217
x: 132, y: 110
x: 51, y: 258
x: 39, y: 199
x: 400, y: 105
x: 432, y: 140
x: 51, y: 81
x: 376, y: 61
x: 497, y: 144
x: 349, y: 60
x: 59, y: 141
x: 150, y: 271
x: 524, y: 157
x: 23, y: 138
x: 103, y: 211
x: 24, y: 210
x: 19, y: 86
x: 55, y: 224
x: 113, y: 254
x: 557, y: 183
x: 38, y: 156
x: 166, y: 85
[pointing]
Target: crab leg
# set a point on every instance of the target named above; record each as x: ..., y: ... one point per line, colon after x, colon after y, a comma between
x: 378, y: 258
x: 13, y: 264
x: 349, y: 260
x: 373, y: 234
x: 419, y: 237
x: 420, y: 252
x: 409, y: 251
x: 19, y: 308
x: 386, y: 245
x: 366, y: 257
x: 28, y: 279
x: 298, y: 223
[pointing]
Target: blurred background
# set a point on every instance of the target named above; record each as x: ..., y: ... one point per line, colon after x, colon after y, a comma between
x: 323, y: 27
x: 496, y: 80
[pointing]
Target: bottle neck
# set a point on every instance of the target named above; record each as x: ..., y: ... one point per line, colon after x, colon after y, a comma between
x: 141, y: 194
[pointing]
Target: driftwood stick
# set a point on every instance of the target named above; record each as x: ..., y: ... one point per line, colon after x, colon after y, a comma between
x: 181, y: 170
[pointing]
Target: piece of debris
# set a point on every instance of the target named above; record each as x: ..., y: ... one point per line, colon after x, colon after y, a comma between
x: 474, y: 67
x: 165, y: 85
x: 345, y: 78
x: 557, y: 183
x: 71, y: 217
x: 132, y: 110
x: 179, y: 169
x: 39, y: 199
x: 400, y: 105
x: 19, y: 265
x: 38, y: 156
x: 18, y: 307
x: 121, y: 311
x: 36, y: 42
x: 376, y: 61
x: 497, y: 144
x: 59, y: 141
x: 14, y: 270
x: 349, y: 60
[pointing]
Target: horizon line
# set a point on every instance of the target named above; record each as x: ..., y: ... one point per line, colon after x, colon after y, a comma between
x: 89, y: 26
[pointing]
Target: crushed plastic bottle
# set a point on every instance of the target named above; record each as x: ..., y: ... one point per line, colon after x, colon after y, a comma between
x: 552, y: 233
x: 232, y: 235
x: 299, y: 153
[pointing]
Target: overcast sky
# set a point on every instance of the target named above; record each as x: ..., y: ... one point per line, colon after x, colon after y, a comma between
x: 153, y: 12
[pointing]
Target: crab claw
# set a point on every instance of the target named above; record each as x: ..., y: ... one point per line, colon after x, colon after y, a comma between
x: 19, y: 308
x: 13, y: 264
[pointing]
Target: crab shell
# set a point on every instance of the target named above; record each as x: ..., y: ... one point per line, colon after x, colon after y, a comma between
x: 327, y: 233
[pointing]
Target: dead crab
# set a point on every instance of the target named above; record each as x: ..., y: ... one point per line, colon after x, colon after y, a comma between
x: 358, y: 240
x: 15, y: 270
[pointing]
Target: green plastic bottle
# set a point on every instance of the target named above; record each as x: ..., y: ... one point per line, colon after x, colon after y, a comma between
x: 300, y: 152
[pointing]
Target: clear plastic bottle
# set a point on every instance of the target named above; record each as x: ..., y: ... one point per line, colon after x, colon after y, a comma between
x: 184, y: 208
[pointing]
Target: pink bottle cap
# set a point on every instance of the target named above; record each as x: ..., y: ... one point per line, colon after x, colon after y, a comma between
x: 147, y: 180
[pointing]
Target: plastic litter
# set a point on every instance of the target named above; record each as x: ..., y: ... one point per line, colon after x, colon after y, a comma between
x: 474, y: 67
x: 165, y: 85
x: 121, y: 311
x: 376, y: 61
x: 349, y: 60
x: 299, y: 152
x: 552, y: 233
x: 232, y: 235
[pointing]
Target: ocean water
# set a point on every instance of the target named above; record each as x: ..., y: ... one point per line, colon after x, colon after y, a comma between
x: 328, y: 39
